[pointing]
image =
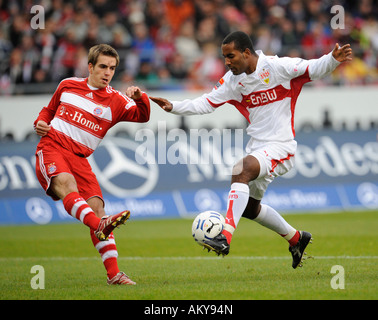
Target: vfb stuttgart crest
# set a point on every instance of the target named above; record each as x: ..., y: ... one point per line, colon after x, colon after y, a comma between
x: 264, y: 76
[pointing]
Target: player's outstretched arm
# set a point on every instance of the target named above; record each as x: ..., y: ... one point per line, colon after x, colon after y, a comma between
x: 163, y: 103
x: 342, y: 54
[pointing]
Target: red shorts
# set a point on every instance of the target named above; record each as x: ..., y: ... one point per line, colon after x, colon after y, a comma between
x: 53, y: 160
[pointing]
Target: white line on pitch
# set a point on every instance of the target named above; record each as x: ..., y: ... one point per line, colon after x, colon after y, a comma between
x: 183, y: 258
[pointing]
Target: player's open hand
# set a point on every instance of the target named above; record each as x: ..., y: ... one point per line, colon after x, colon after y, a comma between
x: 343, y: 53
x: 42, y: 128
x: 163, y: 103
x: 134, y: 93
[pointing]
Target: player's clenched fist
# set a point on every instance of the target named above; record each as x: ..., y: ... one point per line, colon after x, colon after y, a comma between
x: 42, y: 128
x: 134, y: 93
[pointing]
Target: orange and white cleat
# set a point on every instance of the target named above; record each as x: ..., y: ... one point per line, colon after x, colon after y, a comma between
x: 109, y: 223
x: 121, y: 278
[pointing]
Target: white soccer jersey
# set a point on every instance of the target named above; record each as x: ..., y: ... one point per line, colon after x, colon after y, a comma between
x: 80, y: 115
x: 266, y: 97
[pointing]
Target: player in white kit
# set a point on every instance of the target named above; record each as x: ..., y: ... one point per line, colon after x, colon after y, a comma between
x: 264, y: 89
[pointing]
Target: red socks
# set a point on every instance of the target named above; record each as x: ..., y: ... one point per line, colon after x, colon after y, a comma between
x: 294, y: 240
x: 108, y: 252
x: 77, y: 207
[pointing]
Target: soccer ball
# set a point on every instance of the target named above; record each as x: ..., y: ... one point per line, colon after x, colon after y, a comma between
x: 207, y: 225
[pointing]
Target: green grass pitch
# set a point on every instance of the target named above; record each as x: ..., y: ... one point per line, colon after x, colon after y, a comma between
x: 162, y: 257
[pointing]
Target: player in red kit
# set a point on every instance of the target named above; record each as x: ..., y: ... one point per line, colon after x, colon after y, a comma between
x: 264, y: 89
x: 73, y: 124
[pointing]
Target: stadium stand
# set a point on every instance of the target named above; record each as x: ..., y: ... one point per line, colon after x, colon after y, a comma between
x: 174, y: 44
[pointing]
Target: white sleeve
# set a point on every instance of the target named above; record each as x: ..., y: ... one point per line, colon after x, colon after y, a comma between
x: 208, y: 102
x: 290, y: 68
x: 199, y: 105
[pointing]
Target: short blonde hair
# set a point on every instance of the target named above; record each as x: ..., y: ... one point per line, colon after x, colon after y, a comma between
x: 104, y: 49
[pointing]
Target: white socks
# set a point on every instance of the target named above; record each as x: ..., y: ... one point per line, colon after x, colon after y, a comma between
x: 237, y: 202
x: 268, y: 217
x: 271, y: 219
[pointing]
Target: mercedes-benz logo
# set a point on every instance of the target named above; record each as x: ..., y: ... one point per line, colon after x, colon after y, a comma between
x: 38, y: 210
x: 367, y: 193
x: 206, y: 199
x: 119, y: 173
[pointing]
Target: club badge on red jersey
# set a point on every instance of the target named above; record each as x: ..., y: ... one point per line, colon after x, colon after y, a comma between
x: 51, y: 168
x: 97, y: 111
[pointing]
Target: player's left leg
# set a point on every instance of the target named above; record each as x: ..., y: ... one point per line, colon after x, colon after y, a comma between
x: 275, y: 160
x: 271, y: 219
x: 107, y: 249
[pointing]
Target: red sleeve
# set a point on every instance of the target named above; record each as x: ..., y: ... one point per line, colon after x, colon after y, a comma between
x: 48, y: 113
x: 140, y: 112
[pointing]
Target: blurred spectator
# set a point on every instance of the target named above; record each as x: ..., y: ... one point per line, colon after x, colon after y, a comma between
x: 370, y: 29
x: 15, y: 66
x: 289, y: 38
x: 186, y: 43
x: 177, y: 11
x: 5, y: 51
x: 30, y: 58
x: 173, y: 42
x: 165, y: 46
x: 142, y: 43
x: 81, y: 62
x: 208, y: 68
x: 65, y: 56
x: 316, y: 42
x: 110, y: 29
x: 45, y: 41
x: 266, y: 41
x: 79, y: 24
x: 177, y: 67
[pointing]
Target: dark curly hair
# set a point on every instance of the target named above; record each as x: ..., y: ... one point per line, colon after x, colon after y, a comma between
x: 241, y: 41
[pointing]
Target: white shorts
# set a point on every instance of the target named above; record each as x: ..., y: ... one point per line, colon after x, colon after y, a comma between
x: 275, y: 159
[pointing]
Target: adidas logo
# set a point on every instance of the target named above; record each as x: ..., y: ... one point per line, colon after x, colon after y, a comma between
x: 89, y: 95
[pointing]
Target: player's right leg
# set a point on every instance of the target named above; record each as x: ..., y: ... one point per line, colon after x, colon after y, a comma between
x: 55, y: 176
x: 63, y: 186
x: 244, y: 171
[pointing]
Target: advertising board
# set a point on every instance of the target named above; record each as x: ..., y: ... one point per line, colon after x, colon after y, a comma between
x: 174, y: 173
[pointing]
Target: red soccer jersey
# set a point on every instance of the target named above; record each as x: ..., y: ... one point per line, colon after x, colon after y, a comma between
x: 80, y: 116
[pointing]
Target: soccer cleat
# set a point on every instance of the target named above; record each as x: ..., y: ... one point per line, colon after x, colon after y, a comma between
x: 218, y: 244
x: 297, y: 251
x: 109, y: 223
x: 121, y: 278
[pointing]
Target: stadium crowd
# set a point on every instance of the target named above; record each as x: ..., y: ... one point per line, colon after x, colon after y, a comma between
x: 174, y: 44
